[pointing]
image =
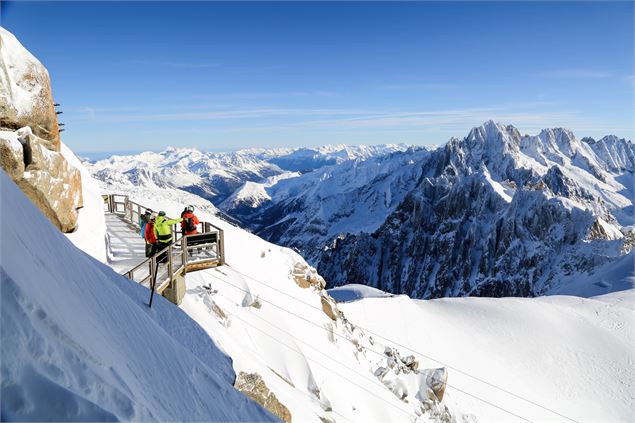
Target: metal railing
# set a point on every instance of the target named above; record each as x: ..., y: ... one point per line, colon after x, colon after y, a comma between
x: 198, y: 251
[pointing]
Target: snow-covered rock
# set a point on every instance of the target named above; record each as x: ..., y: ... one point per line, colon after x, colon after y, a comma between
x: 29, y: 136
x: 44, y: 175
x: 25, y: 92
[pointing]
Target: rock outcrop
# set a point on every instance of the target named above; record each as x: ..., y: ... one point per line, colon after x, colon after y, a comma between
x: 25, y: 92
x: 29, y: 137
x: 44, y: 175
x: 252, y: 385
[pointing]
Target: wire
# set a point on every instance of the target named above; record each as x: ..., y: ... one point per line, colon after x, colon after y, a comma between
x: 368, y: 349
x: 408, y: 348
x: 317, y: 363
x: 353, y: 370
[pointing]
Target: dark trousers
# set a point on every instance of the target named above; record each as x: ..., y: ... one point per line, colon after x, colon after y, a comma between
x: 149, y: 249
x: 161, y: 248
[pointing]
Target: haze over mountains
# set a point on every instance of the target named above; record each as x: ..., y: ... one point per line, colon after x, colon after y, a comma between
x: 496, y: 213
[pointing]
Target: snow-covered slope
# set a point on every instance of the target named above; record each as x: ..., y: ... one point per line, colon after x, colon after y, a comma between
x: 79, y: 342
x: 90, y: 235
x: 268, y: 311
x: 497, y: 214
x: 570, y: 355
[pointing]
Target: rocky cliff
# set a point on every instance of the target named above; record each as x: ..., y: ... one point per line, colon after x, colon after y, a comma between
x: 29, y: 136
x: 497, y: 214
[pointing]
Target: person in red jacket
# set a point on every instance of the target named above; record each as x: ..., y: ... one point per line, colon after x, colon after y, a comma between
x: 190, y: 221
x: 150, y: 237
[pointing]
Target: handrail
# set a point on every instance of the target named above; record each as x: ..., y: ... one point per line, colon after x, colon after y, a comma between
x: 210, y: 240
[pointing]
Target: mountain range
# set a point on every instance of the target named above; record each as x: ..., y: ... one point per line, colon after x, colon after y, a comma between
x: 496, y: 213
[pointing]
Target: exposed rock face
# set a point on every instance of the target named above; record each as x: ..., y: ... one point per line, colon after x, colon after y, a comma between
x: 48, y: 180
x: 25, y: 92
x: 29, y: 136
x: 329, y: 307
x: 252, y: 385
x: 306, y: 276
x: 495, y: 214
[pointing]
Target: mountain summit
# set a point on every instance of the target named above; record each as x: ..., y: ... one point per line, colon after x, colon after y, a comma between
x: 498, y: 213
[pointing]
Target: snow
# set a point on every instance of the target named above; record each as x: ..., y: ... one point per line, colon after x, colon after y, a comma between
x: 14, y: 143
x: 90, y: 235
x: 612, y: 277
x: 18, y: 91
x: 257, y: 314
x: 83, y: 345
x: 353, y: 292
x: 569, y: 354
x: 498, y: 188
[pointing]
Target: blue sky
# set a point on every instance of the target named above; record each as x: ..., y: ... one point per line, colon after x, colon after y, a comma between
x: 145, y: 75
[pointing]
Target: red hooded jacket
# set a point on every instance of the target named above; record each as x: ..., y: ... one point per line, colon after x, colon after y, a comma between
x: 149, y: 233
x: 194, y: 220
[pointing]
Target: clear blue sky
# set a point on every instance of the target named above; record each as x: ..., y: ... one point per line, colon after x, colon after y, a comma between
x: 145, y: 75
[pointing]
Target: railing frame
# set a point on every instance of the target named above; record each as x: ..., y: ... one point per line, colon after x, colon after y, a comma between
x: 130, y: 209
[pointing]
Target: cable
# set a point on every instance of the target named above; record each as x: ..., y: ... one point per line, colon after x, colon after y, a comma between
x: 317, y: 363
x: 410, y: 349
x: 368, y: 349
x: 407, y: 348
x: 359, y: 373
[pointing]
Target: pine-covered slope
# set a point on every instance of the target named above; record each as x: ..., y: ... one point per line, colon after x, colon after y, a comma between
x: 498, y: 214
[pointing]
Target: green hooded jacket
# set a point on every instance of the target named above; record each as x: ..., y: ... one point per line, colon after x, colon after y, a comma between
x: 163, y: 229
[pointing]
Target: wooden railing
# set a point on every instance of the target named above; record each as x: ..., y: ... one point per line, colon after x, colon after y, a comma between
x: 185, y: 254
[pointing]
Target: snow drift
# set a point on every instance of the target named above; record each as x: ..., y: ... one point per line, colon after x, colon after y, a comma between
x: 79, y: 342
x: 572, y: 357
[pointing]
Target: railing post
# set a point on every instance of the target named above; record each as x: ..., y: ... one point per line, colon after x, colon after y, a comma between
x: 221, y: 246
x: 169, y: 249
x: 184, y: 252
x: 153, y: 281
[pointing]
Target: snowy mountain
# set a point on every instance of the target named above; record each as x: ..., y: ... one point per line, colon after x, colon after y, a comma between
x: 306, y: 212
x: 215, y: 176
x: 498, y: 214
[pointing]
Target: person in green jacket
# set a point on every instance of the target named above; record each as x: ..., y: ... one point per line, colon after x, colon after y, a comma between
x: 163, y: 232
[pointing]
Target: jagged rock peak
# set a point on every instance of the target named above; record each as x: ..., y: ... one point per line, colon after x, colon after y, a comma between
x: 491, y: 131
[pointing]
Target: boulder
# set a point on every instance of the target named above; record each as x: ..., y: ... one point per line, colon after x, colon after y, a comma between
x: 25, y: 92
x: 329, y: 307
x: 436, y: 380
x: 252, y: 385
x: 305, y: 277
x: 48, y: 180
